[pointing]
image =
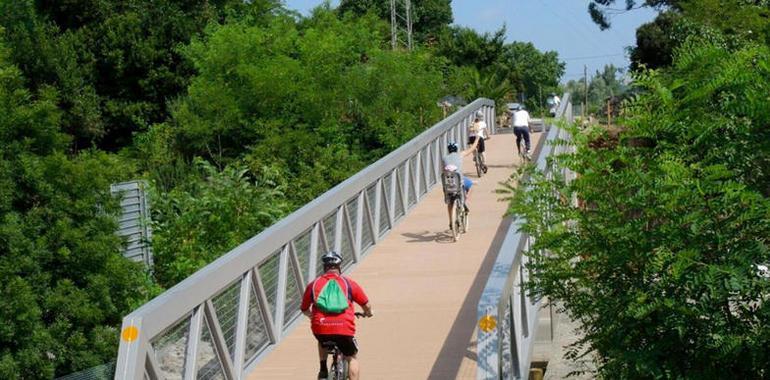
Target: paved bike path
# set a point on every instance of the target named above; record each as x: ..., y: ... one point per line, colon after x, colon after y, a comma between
x: 424, y: 288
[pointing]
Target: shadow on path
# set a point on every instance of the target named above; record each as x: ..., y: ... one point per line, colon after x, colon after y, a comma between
x: 449, y: 359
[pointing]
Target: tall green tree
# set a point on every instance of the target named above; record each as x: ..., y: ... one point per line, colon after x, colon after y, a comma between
x: 114, y: 63
x: 429, y: 17
x: 64, y: 283
x: 532, y: 73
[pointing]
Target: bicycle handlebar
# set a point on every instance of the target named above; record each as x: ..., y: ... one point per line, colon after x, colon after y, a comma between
x: 360, y: 315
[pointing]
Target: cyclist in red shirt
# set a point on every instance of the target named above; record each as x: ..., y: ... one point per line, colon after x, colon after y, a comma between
x: 341, y: 327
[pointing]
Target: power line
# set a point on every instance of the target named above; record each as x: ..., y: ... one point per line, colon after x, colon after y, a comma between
x: 593, y: 57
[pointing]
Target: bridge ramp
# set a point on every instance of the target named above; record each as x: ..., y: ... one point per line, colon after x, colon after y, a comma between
x: 424, y: 288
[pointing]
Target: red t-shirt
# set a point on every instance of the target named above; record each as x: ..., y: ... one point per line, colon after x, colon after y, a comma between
x: 333, y: 324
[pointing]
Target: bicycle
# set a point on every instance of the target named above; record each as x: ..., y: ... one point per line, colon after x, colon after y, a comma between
x: 522, y: 148
x: 454, y: 194
x: 478, y: 160
x: 339, y: 367
x: 460, y: 224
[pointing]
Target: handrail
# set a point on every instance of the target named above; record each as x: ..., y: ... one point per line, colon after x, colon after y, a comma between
x: 507, y: 314
x: 222, y: 320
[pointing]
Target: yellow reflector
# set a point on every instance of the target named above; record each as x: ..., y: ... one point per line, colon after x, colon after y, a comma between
x: 487, y: 323
x: 130, y: 333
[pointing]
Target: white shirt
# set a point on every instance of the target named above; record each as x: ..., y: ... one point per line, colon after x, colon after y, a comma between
x: 480, y: 128
x: 521, y: 118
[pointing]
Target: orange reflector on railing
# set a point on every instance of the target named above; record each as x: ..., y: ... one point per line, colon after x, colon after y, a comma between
x: 487, y: 323
x: 130, y: 333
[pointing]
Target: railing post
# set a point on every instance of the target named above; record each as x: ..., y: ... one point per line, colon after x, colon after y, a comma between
x: 359, y: 223
x: 416, y: 176
x: 338, y: 226
x: 242, y: 325
x: 313, y: 255
x: 191, y: 368
x: 377, y: 210
x: 393, y: 197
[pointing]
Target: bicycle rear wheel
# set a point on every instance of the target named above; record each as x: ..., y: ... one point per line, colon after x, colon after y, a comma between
x: 478, y: 163
x: 461, y: 215
x: 455, y: 219
x: 343, y: 369
x: 522, y: 150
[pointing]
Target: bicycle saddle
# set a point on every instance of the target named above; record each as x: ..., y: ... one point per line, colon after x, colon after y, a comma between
x: 329, y: 346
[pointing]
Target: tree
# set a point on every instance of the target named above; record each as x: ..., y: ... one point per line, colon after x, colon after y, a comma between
x: 658, y: 261
x: 429, y: 17
x: 64, y: 283
x: 114, y: 63
x: 466, y: 47
x: 531, y: 72
x: 601, y: 10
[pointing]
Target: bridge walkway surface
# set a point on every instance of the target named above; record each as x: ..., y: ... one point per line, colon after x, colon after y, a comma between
x: 424, y: 288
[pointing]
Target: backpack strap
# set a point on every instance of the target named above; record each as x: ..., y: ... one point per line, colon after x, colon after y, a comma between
x: 312, y: 290
x: 350, y: 288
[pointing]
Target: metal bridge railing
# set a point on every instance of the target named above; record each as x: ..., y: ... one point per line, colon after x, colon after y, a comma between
x: 221, y: 321
x: 507, y: 314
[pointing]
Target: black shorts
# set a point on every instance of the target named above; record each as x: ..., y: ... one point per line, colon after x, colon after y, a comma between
x: 481, y: 147
x: 346, y: 344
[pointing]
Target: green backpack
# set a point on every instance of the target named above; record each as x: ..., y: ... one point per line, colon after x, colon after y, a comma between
x: 332, y: 299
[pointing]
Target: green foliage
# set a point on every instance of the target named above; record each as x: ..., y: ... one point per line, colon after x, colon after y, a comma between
x: 658, y: 260
x: 236, y: 112
x: 319, y: 102
x: 601, y: 11
x: 64, y: 284
x: 603, y: 85
x: 429, y: 17
x: 726, y: 22
x: 208, y: 216
x: 531, y: 72
x: 466, y: 47
x: 114, y: 63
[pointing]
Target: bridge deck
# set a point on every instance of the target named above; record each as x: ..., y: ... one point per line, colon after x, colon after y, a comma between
x: 423, y: 287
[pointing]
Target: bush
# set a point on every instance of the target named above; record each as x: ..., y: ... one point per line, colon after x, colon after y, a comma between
x: 658, y: 263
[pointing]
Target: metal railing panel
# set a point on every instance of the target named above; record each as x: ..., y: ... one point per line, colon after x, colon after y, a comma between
x: 243, y: 304
x: 133, y: 223
x: 507, y: 314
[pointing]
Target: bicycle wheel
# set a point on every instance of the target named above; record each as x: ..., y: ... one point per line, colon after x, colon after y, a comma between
x: 460, y: 220
x: 465, y: 221
x: 483, y: 164
x: 478, y: 163
x: 333, y: 369
x: 343, y: 366
x: 455, y: 222
x: 523, y: 150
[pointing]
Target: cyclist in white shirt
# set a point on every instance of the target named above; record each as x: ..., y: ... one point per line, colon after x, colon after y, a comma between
x: 520, y: 123
x: 476, y: 130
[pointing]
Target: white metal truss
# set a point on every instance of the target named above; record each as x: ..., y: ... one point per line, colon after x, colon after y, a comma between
x: 401, y: 24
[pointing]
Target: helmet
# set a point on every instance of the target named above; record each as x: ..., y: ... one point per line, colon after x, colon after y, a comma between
x: 480, y: 115
x: 452, y: 147
x: 331, y: 258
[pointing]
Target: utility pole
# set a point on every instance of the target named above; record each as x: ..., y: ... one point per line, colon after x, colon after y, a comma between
x: 393, y: 25
x: 585, y: 90
x: 401, y: 13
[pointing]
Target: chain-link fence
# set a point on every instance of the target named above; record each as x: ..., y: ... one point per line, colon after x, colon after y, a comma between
x: 102, y: 372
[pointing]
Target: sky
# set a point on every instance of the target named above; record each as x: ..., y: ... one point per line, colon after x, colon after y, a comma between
x: 563, y: 26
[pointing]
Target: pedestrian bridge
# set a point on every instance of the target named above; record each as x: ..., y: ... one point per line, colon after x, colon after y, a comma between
x: 238, y: 318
